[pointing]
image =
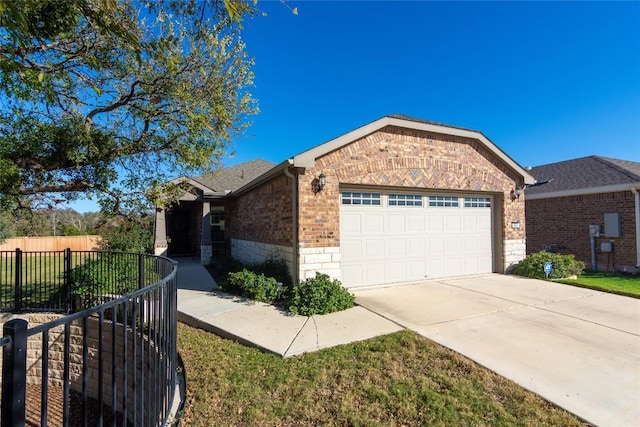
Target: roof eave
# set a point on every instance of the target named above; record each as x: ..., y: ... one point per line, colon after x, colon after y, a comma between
x: 274, y: 171
x: 584, y: 191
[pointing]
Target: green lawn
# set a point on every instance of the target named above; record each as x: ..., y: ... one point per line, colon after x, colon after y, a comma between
x: 400, y: 379
x: 622, y: 284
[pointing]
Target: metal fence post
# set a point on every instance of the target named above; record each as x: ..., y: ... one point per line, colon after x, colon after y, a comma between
x: 17, y: 296
x: 67, y: 280
x: 140, y: 270
x: 14, y: 374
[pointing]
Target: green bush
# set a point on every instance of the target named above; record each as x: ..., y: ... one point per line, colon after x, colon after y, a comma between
x: 563, y: 266
x: 252, y: 285
x: 273, y: 267
x: 107, y: 274
x: 320, y: 295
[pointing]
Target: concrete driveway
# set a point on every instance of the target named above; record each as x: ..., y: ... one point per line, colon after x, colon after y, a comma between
x: 578, y: 348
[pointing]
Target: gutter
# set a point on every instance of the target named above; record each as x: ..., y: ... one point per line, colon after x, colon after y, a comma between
x: 634, y: 190
x: 294, y: 221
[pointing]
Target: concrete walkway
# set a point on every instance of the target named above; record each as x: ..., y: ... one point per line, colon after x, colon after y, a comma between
x: 577, y: 348
x: 265, y: 326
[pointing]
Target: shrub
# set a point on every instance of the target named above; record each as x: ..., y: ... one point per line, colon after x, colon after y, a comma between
x: 220, y: 268
x: 107, y: 274
x: 273, y: 267
x: 320, y: 295
x: 563, y: 266
x: 252, y: 285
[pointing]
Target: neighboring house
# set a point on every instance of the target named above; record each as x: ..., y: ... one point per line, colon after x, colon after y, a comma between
x: 394, y: 201
x: 588, y: 191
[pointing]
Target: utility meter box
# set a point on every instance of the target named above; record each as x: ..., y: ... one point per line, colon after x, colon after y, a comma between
x: 606, y: 247
x: 594, y: 230
x: 612, y: 226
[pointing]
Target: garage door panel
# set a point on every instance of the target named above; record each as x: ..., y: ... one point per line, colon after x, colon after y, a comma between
x: 374, y: 248
x: 396, y: 272
x: 452, y: 224
x: 395, y: 224
x: 453, y: 266
x: 352, y: 274
x: 350, y: 223
x: 416, y: 247
x: 436, y: 245
x: 416, y: 270
x: 435, y: 224
x: 373, y: 272
x: 396, y: 248
x: 453, y: 245
x: 351, y: 248
x: 416, y: 224
x: 435, y: 268
x: 373, y: 224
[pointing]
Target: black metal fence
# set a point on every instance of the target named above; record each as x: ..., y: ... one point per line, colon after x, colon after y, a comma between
x: 64, y: 281
x: 112, y: 361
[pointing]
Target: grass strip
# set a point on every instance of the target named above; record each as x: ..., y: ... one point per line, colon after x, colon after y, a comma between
x: 615, y: 283
x: 399, y: 379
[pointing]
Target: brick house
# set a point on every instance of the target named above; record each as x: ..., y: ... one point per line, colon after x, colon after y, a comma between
x: 574, y: 194
x: 396, y: 200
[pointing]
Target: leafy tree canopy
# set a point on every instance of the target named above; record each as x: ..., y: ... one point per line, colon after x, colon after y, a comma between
x: 111, y: 98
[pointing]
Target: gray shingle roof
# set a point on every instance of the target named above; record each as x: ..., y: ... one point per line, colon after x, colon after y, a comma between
x: 583, y: 173
x: 234, y: 177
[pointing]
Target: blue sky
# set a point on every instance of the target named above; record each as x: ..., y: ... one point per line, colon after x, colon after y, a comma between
x: 545, y: 81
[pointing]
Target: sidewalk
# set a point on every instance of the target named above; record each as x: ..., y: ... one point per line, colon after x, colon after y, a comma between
x: 265, y: 326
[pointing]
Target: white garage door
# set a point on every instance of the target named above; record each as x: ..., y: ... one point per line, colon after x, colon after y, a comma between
x: 395, y: 237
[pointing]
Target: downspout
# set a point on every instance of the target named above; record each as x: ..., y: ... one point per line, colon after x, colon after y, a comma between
x: 634, y: 190
x: 294, y: 226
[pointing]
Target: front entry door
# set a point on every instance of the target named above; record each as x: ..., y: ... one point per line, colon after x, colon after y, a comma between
x: 179, y: 219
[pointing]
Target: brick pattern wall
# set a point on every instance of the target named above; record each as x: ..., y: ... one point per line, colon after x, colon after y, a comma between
x: 406, y: 158
x: 564, y: 221
x: 264, y: 214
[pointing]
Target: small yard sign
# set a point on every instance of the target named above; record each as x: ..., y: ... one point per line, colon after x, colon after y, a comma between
x: 547, y: 268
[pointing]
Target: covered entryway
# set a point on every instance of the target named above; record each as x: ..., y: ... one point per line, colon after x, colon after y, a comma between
x: 181, y: 229
x: 403, y: 236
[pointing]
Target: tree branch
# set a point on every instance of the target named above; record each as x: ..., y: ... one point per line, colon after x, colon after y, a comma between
x: 71, y: 186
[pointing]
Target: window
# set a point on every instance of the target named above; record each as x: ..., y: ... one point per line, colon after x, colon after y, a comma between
x: 443, y: 201
x: 360, y: 198
x: 477, y: 202
x: 405, y: 200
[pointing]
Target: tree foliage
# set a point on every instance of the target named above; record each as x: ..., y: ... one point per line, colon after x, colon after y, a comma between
x: 110, y: 98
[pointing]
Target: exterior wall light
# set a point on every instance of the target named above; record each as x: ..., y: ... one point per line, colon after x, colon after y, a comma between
x: 318, y: 183
x: 515, y: 194
x: 515, y: 225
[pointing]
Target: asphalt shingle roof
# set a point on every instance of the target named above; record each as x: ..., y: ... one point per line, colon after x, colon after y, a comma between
x: 234, y: 177
x: 582, y: 173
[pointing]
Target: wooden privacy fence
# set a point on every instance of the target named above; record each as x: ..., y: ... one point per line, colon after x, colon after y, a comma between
x: 51, y: 243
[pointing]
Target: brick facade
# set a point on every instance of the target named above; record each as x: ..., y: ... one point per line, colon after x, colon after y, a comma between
x: 264, y: 213
x: 564, y: 223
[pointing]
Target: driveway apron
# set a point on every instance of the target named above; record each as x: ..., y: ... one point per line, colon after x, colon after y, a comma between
x: 577, y: 348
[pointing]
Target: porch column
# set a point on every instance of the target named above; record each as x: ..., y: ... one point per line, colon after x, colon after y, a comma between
x: 160, y: 241
x: 206, y: 251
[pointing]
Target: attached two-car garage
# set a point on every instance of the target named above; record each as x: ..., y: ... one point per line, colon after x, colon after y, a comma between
x: 403, y: 236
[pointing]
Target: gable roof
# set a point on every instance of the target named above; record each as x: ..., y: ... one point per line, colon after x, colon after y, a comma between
x: 307, y: 158
x: 229, y: 179
x: 585, y: 175
x: 225, y: 180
